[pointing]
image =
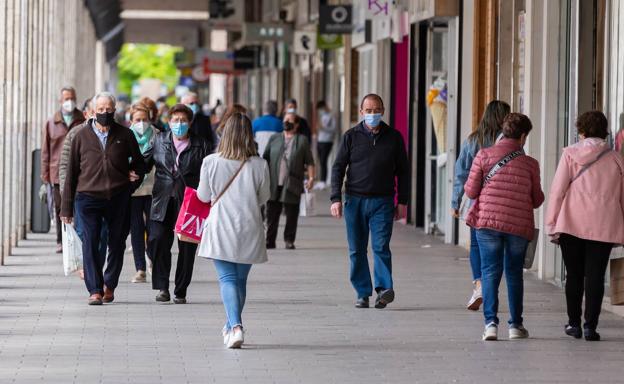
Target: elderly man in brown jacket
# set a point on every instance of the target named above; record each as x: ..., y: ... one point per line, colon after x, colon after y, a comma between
x: 105, y: 167
x: 53, y: 136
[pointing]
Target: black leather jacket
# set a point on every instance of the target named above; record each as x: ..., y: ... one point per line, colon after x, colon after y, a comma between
x: 170, y: 183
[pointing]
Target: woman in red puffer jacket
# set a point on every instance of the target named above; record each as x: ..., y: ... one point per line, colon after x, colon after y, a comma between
x: 503, y: 217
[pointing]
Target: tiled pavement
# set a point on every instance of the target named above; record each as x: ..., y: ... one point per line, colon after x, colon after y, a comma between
x: 302, y: 327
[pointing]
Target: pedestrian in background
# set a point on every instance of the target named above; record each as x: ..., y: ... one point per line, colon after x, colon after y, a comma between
x: 586, y: 217
x: 327, y: 129
x: 103, y: 153
x: 505, y: 184
x: 484, y: 136
x: 141, y: 200
x: 236, y: 181
x: 373, y: 156
x: 289, y: 156
x: 290, y: 106
x: 177, y: 157
x: 200, y: 123
x: 266, y: 125
x: 56, y: 128
x: 152, y: 107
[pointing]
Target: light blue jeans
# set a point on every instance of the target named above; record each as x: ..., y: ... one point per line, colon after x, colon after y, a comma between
x: 233, y: 283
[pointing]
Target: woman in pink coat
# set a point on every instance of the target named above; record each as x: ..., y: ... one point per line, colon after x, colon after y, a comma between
x: 586, y: 217
x: 503, y: 218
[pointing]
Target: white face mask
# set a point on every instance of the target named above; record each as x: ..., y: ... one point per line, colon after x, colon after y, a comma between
x: 68, y: 106
x: 140, y: 127
x: 291, y: 110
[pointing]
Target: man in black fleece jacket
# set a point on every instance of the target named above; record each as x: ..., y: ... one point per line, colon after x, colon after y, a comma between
x: 373, y: 156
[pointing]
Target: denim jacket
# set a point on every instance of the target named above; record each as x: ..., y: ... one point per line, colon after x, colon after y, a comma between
x: 467, y: 154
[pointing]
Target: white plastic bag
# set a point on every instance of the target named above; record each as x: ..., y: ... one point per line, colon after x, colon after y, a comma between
x: 72, y: 250
x: 307, y: 203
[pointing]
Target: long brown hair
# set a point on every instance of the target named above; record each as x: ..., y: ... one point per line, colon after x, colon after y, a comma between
x: 491, y: 123
x: 235, y: 108
x: 237, y: 140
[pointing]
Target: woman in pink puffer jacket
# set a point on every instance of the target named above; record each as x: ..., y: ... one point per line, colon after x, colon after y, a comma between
x: 586, y: 216
x: 503, y: 218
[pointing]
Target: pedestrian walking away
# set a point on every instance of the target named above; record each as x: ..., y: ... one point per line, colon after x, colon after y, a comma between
x: 236, y: 181
x: 56, y: 128
x: 266, y: 125
x: 505, y: 184
x: 585, y: 216
x: 373, y: 156
x: 488, y: 130
x: 177, y: 158
x: 141, y: 200
x: 289, y: 156
x: 327, y: 129
x: 103, y: 156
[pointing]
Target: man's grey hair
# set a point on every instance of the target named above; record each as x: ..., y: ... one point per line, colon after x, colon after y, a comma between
x: 68, y: 88
x: 105, y: 94
x: 270, y: 107
x: 189, y: 94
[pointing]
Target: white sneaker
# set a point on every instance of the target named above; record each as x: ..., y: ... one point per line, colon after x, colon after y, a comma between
x: 490, y: 332
x: 226, y: 336
x: 236, y: 338
x: 476, y: 299
x: 518, y: 332
x: 319, y: 186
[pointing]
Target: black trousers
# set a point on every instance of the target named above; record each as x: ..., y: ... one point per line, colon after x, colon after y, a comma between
x: 57, y: 211
x: 159, y: 245
x: 586, y: 263
x: 323, y: 153
x: 139, y: 215
x: 274, y: 210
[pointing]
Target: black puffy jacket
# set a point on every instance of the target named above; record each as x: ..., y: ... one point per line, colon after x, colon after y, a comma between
x: 170, y: 183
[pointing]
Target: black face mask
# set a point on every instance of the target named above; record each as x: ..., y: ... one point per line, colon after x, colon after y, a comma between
x: 289, y: 126
x: 105, y: 119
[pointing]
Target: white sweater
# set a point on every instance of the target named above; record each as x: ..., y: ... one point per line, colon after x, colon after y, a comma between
x: 234, y: 230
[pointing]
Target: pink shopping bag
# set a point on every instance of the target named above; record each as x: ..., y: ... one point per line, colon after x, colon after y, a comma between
x: 192, y: 216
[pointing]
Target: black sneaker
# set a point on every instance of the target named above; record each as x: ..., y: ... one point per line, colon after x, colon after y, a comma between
x: 179, y: 300
x: 362, y: 302
x: 573, y: 331
x: 290, y: 245
x: 591, y: 335
x: 384, y: 297
x: 163, y: 296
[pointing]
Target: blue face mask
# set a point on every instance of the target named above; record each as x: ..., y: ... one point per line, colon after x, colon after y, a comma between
x: 179, y: 129
x: 372, y: 119
x: 194, y: 107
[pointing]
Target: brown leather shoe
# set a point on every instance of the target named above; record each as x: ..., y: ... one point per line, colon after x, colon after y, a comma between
x: 109, y: 295
x: 95, y: 299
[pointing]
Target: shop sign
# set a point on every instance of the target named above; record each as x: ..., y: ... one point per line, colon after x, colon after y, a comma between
x: 247, y: 58
x: 266, y: 32
x: 212, y: 62
x: 335, y: 19
x: 426, y: 9
x: 304, y: 42
x: 329, y: 41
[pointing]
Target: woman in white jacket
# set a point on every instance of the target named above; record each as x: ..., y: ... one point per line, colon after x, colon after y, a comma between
x: 237, y: 181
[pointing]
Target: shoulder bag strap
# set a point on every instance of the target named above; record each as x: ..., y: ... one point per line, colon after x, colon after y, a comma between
x: 229, y: 182
x: 587, y: 166
x: 501, y: 163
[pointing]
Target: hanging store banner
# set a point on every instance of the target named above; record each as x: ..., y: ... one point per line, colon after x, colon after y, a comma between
x: 247, y: 58
x: 361, y: 26
x: 329, y: 41
x: 304, y: 42
x: 335, y: 19
x: 254, y: 33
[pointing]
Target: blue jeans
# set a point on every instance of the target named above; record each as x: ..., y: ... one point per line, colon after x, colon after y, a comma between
x: 91, y: 212
x: 374, y: 215
x: 233, y: 283
x: 475, y: 256
x: 501, y: 251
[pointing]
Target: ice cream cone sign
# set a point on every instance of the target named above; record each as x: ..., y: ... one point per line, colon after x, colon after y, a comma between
x: 436, y: 100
